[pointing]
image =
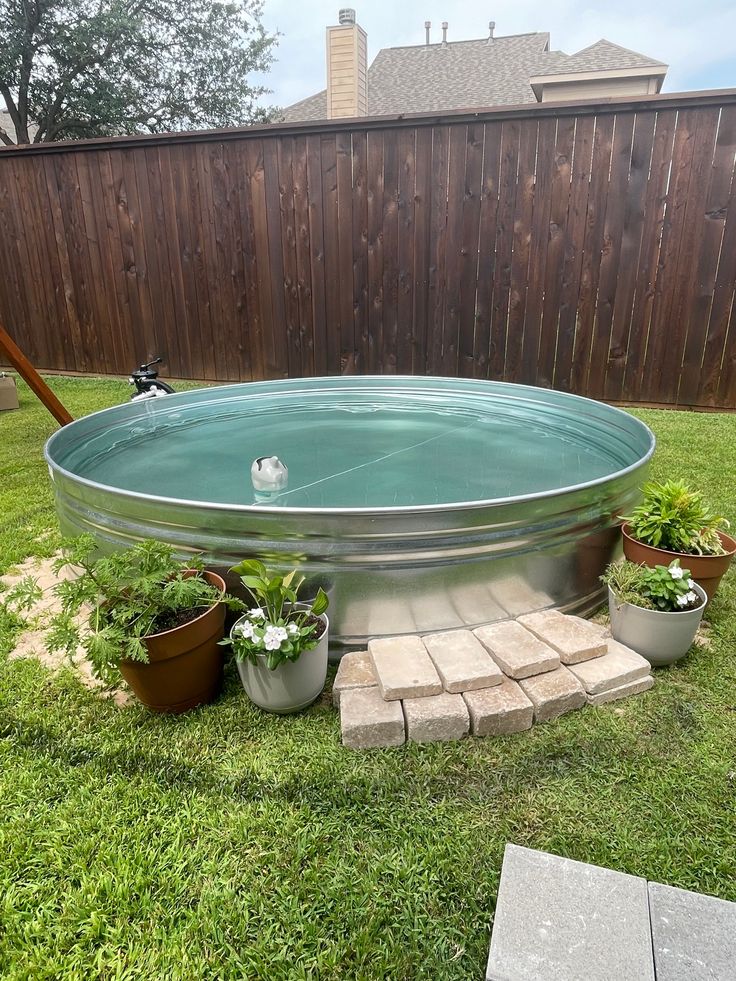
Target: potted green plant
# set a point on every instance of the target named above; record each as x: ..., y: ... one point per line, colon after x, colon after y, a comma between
x: 280, y: 645
x: 673, y: 521
x: 144, y: 615
x: 655, y: 611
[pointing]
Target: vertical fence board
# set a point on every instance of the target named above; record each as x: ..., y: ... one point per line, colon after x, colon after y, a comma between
x: 522, y: 238
x: 610, y: 267
x: 390, y: 238
x: 422, y: 228
x: 722, y: 210
x: 558, y: 234
x: 405, y: 252
x: 710, y: 210
x: 375, y: 252
x: 538, y: 249
x: 360, y: 250
x: 628, y: 260
x: 592, y: 245
x: 655, y: 198
x: 510, y: 136
x: 486, y: 265
x: 468, y: 280
x: 303, y: 251
x: 572, y: 263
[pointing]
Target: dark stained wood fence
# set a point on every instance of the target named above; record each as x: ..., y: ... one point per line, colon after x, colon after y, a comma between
x: 589, y: 247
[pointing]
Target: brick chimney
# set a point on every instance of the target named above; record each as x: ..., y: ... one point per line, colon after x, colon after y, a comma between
x: 347, y: 56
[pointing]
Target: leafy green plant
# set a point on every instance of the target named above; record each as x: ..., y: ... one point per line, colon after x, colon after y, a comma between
x: 276, y: 628
x: 668, y: 588
x: 675, y: 518
x: 118, y: 600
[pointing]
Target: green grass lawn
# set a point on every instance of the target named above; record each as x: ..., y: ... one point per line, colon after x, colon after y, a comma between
x: 233, y: 844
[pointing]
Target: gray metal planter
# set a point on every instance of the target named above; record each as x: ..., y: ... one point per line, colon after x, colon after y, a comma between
x: 662, y: 638
x: 291, y: 686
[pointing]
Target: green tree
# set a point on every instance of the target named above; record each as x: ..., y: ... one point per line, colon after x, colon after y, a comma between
x: 81, y: 68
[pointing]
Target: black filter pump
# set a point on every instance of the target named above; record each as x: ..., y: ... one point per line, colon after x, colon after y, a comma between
x: 147, y: 383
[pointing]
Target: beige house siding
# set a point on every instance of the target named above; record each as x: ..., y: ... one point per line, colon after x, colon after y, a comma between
x: 598, y: 89
x: 347, y: 56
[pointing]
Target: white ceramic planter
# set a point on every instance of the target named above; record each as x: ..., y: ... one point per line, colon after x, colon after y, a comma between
x: 291, y: 686
x: 662, y: 638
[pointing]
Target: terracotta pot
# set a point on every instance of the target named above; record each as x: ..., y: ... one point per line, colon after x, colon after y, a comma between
x: 185, y: 668
x: 706, y: 570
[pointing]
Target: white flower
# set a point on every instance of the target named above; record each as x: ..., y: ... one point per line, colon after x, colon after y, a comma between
x: 690, y: 584
x: 683, y: 600
x: 691, y: 597
x: 675, y: 572
x: 273, y: 637
x: 245, y: 629
x: 256, y: 613
x: 293, y: 629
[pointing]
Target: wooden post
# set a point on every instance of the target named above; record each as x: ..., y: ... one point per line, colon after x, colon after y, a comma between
x: 32, y: 378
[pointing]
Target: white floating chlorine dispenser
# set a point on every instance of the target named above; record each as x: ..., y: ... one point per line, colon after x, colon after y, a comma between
x: 270, y: 477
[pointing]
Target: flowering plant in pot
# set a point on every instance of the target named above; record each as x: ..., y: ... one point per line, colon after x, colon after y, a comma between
x: 143, y: 614
x: 655, y: 611
x: 280, y: 645
x: 674, y: 521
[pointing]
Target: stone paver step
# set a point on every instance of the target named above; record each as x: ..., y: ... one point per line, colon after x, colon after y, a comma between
x: 462, y: 662
x: 499, y: 710
x: 355, y: 670
x: 516, y: 650
x: 619, y: 666
x: 561, y: 920
x: 368, y: 721
x: 436, y: 718
x: 403, y: 668
x: 553, y: 694
x: 574, y: 641
x: 623, y: 691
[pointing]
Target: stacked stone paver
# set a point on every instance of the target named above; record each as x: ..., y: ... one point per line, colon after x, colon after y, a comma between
x: 462, y: 662
x: 436, y: 718
x: 498, y: 679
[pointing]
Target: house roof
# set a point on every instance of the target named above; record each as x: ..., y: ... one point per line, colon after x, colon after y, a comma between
x: 601, y: 56
x: 470, y: 74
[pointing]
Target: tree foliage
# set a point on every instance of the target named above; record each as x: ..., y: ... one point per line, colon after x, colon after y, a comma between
x: 82, y: 68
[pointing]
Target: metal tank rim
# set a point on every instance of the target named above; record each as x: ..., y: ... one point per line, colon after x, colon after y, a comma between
x: 336, y: 382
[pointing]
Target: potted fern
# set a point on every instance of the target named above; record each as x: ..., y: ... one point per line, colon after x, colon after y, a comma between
x: 655, y: 611
x: 280, y: 645
x: 144, y: 615
x: 673, y: 521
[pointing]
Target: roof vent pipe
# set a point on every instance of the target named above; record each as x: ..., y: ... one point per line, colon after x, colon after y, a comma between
x: 444, y: 32
x: 491, y: 28
x: 427, y: 25
x: 346, y: 15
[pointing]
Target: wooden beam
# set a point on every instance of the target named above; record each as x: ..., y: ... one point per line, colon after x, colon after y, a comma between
x: 32, y: 378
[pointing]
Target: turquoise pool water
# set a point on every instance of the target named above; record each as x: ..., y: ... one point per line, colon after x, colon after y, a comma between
x: 361, y: 450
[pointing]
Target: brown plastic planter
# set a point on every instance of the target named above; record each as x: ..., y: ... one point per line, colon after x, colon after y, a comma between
x: 185, y: 668
x: 706, y: 570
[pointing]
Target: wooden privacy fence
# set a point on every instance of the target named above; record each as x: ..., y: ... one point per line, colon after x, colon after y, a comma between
x: 589, y: 247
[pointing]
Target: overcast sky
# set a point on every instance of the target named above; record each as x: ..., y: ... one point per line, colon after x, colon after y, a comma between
x: 697, y: 40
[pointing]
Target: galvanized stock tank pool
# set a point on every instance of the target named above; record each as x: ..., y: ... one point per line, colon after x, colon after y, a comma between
x: 420, y: 504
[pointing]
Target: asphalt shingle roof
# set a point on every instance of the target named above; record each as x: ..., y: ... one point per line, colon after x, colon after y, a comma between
x: 469, y: 74
x: 602, y: 56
